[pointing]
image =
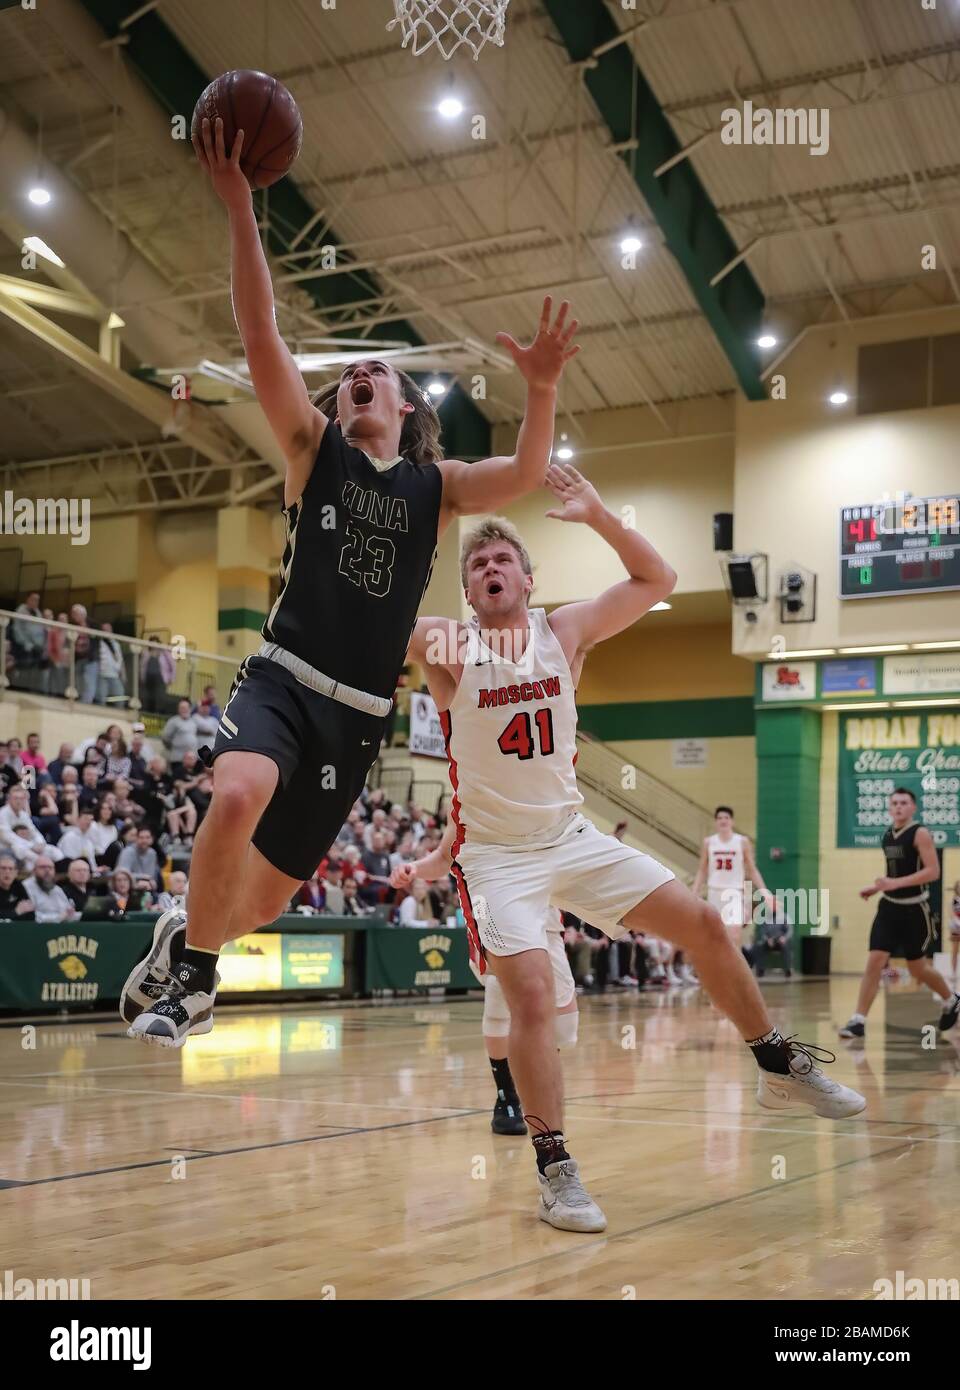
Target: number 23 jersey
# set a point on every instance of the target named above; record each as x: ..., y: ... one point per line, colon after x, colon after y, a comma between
x: 360, y: 546
x: 511, y: 735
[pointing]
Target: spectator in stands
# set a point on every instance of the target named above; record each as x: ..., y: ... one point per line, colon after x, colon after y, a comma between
x: 376, y: 825
x: 333, y: 889
x: 156, y: 795
x: 86, y: 662
x: 69, y: 795
x: 8, y: 774
x: 140, y: 754
x: 28, y: 640
x: 104, y: 833
x: 416, y: 909
x: 50, y: 903
x: 14, y: 756
x: 187, y: 769
x: 771, y: 940
x: 32, y: 757
x: 47, y: 815
x: 15, y: 901
x: 200, y: 794
x: 77, y: 886
x: 111, y: 687
x: 376, y: 863
x: 140, y: 859
x: 88, y: 793
x: 578, y: 949
x: 182, y: 814
x: 56, y: 675
x: 120, y: 899
x: 352, y: 906
x: 181, y: 733
x: 63, y: 760
x: 175, y: 893
x: 157, y: 671
x: 311, y: 896
x: 208, y: 707
x: 145, y: 890
x: 77, y: 842
x: 19, y: 835
x: 127, y: 811
x: 118, y: 760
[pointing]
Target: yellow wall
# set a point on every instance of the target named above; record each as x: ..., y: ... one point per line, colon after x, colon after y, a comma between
x: 110, y: 557
x: 674, y: 488
x: 730, y: 777
x: 798, y: 461
x: 177, y: 578
x: 652, y: 661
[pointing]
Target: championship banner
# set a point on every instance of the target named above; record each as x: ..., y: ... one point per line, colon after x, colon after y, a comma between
x: 409, y: 958
x: 877, y: 754
x: 426, y: 735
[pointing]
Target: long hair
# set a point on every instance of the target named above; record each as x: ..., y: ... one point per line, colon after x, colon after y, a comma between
x: 420, y: 436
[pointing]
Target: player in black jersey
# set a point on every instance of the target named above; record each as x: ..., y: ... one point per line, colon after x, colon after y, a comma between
x: 366, y: 496
x: 902, y: 926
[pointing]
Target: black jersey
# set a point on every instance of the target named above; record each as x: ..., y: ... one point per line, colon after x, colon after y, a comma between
x: 903, y: 858
x: 360, y: 546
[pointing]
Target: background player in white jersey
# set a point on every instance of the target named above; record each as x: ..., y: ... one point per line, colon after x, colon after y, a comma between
x: 505, y: 692
x: 507, y: 1111
x: 728, y: 868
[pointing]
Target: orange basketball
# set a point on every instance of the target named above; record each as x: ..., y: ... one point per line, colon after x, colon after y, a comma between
x: 264, y: 110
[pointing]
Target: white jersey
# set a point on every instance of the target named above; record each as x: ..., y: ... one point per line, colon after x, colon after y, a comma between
x: 727, y: 867
x: 511, y: 740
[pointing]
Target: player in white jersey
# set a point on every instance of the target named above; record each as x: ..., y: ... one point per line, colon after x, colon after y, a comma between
x: 955, y: 931
x: 505, y: 691
x: 507, y: 1115
x: 729, y: 869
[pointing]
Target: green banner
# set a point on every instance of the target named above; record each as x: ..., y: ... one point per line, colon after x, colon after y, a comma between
x: 919, y: 750
x: 408, y: 958
x: 63, y: 965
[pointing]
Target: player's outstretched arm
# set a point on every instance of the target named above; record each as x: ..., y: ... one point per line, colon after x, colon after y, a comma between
x: 484, y: 486
x: 581, y: 626
x: 297, y: 425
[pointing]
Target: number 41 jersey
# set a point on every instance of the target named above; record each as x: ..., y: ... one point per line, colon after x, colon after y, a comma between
x: 360, y: 546
x: 511, y: 734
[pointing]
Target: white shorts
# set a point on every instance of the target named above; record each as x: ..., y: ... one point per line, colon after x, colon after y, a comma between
x: 955, y: 927
x: 496, y: 1010
x: 729, y: 903
x: 510, y: 894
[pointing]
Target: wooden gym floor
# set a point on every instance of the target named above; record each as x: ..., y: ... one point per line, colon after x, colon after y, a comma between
x: 346, y: 1151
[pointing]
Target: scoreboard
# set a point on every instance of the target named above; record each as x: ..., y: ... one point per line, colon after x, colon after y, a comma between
x: 905, y: 546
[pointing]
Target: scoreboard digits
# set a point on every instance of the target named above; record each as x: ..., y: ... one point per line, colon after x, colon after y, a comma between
x: 900, y: 547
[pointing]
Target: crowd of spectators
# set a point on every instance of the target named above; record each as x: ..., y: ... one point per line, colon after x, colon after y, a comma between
x: 106, y: 828
x: 38, y: 659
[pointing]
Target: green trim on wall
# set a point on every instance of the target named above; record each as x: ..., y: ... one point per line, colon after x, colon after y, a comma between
x: 230, y: 619
x: 788, y: 800
x: 728, y: 718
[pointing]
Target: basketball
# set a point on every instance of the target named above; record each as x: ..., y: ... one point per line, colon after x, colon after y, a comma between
x: 264, y: 110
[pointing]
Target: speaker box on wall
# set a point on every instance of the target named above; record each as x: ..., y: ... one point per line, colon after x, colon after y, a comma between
x: 723, y: 531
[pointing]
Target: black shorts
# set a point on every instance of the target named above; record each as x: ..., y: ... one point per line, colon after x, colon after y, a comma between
x: 905, y: 930
x: 323, y: 750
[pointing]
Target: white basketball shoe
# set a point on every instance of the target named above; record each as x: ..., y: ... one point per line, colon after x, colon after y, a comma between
x: 183, y: 1009
x: 565, y: 1202
x: 806, y: 1084
x: 147, y: 980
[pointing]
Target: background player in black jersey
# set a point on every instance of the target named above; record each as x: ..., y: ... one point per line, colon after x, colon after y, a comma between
x: 902, y: 926
x: 366, y: 496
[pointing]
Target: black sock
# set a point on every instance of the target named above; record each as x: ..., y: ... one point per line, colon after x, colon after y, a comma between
x: 177, y: 944
x: 506, y: 1088
x: 206, y: 964
x: 771, y: 1052
x: 548, y: 1145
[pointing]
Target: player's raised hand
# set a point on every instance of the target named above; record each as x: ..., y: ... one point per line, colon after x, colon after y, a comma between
x: 542, y: 363
x: 228, y: 179
x: 579, y: 499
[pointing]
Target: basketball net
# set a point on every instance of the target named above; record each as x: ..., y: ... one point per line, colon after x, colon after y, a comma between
x: 447, y: 24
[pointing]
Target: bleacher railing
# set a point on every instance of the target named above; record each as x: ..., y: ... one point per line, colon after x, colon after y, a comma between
x: 642, y: 796
x: 41, y: 656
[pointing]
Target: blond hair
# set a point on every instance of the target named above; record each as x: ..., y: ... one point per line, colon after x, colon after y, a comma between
x: 493, y: 528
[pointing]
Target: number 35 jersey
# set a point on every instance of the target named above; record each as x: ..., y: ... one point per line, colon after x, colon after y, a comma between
x: 360, y: 546
x: 511, y: 735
